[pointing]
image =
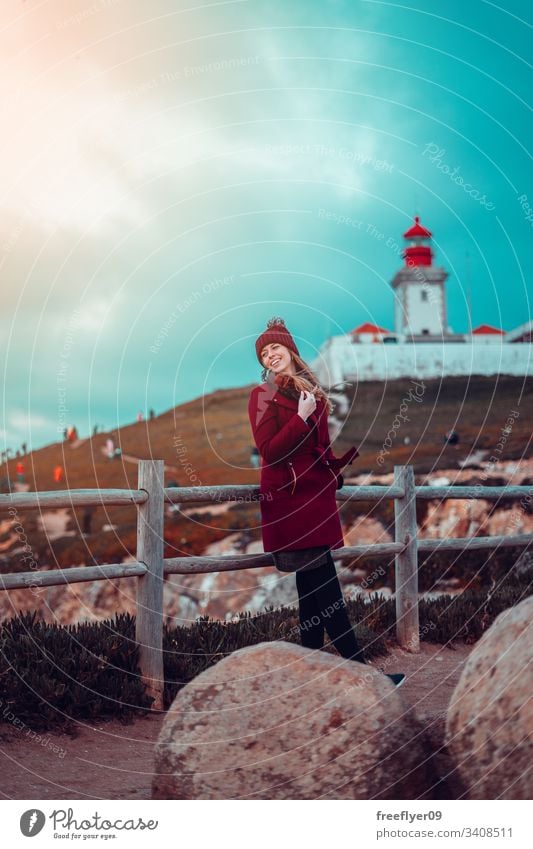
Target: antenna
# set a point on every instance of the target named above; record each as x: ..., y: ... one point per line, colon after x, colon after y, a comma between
x: 468, y: 292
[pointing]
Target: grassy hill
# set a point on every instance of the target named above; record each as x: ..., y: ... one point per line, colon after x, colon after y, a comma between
x: 476, y: 407
x: 208, y: 441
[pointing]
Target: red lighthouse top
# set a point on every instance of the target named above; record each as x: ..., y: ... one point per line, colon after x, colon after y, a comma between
x: 417, y: 253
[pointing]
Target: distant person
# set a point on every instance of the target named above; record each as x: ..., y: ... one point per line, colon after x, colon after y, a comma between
x: 173, y: 508
x: 65, y: 432
x: 255, y: 457
x: 88, y: 518
x: 20, y: 472
x: 140, y: 416
x: 151, y: 413
x: 95, y: 430
x: 110, y: 449
x: 58, y: 474
x: 72, y: 434
x: 24, y: 447
x: 244, y: 540
x: 451, y: 437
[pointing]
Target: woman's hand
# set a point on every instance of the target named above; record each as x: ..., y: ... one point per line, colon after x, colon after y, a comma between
x: 306, y: 405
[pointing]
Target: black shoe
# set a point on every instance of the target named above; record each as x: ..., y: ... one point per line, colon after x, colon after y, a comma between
x: 397, y: 678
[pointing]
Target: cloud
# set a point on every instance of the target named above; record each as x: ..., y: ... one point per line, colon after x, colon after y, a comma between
x: 24, y: 419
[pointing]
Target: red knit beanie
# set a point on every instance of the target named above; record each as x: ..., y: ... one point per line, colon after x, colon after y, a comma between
x: 276, y: 331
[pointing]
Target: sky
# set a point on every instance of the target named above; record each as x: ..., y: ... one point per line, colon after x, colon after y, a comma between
x: 174, y: 173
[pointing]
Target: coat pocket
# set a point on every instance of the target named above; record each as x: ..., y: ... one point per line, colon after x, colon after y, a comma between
x: 290, y: 484
x: 310, y: 474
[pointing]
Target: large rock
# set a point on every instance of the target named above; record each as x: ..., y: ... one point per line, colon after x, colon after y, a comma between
x: 279, y: 721
x: 489, y: 724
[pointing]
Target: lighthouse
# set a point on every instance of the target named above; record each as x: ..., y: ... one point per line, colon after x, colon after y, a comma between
x: 420, y: 297
x: 373, y: 352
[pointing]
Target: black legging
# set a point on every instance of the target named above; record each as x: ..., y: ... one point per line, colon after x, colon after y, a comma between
x: 321, y: 605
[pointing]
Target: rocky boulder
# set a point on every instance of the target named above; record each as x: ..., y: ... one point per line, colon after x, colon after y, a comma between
x: 489, y: 724
x: 279, y: 721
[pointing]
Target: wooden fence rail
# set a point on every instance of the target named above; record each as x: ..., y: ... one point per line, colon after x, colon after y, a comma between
x: 151, y: 567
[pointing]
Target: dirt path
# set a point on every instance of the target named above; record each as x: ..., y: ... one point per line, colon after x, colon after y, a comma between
x: 129, y: 458
x: 77, y: 443
x: 110, y: 760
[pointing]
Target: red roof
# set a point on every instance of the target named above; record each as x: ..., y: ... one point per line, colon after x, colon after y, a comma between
x: 417, y: 231
x: 367, y: 327
x: 487, y: 328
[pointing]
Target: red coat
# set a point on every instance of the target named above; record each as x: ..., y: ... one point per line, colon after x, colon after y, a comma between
x: 299, y: 472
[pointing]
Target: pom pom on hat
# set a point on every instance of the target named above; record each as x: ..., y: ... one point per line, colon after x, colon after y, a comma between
x: 275, y: 320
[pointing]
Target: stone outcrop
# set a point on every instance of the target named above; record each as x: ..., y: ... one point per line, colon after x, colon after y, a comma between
x: 221, y: 595
x: 489, y: 725
x: 278, y: 721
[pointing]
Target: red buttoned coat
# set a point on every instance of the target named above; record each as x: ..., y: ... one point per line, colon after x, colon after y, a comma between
x: 299, y: 472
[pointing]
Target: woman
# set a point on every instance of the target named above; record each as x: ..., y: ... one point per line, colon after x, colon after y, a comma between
x: 299, y: 479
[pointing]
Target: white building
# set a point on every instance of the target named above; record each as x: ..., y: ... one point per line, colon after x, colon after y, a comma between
x: 422, y: 343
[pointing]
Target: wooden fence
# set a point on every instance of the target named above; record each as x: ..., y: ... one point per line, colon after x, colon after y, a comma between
x: 151, y: 567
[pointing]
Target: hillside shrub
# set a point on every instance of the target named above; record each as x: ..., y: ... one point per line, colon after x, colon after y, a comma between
x: 51, y: 675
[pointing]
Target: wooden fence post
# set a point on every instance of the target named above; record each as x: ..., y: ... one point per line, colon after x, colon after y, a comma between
x: 149, y: 626
x: 406, y: 565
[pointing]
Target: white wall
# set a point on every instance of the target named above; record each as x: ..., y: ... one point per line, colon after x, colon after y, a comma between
x: 340, y: 359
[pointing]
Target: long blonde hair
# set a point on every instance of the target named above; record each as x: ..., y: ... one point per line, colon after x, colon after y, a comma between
x: 306, y: 380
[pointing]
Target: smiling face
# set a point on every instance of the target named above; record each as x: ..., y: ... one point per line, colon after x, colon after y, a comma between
x: 277, y: 358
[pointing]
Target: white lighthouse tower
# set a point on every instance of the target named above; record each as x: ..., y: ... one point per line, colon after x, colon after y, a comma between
x: 420, y: 297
